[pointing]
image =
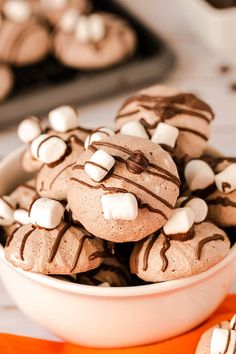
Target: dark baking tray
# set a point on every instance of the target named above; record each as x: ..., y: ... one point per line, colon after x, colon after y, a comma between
x: 42, y: 86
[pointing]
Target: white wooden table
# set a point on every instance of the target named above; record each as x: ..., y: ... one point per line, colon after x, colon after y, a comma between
x: 196, y: 70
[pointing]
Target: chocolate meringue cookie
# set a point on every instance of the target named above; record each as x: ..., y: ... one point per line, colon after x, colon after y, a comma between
x: 111, y: 272
x: 67, y: 249
x: 79, y: 48
x: 53, y: 10
x: 52, y: 179
x: 23, y: 40
x: 30, y: 164
x: 205, y: 342
x: 144, y: 176
x: 159, y: 258
x: 185, y: 111
x: 6, y: 81
x: 222, y: 208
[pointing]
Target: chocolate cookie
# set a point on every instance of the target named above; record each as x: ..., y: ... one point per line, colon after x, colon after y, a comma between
x: 93, y: 42
x: 67, y: 249
x: 24, y: 39
x: 158, y: 107
x: 123, y: 188
x: 160, y: 257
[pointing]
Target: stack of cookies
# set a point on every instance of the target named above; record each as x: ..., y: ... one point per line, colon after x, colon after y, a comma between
x: 142, y: 203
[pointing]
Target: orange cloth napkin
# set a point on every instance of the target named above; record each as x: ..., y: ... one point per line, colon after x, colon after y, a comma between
x: 185, y: 344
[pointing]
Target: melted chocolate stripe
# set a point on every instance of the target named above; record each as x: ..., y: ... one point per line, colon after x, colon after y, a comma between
x: 165, y: 247
x: 120, y: 190
x: 127, y: 114
x: 187, y: 99
x: 137, y: 253
x: 59, y: 173
x: 224, y: 201
x: 96, y: 165
x: 148, y: 250
x: 228, y: 341
x: 193, y: 131
x: 10, y: 238
x: 77, y: 140
x: 58, y: 239
x: 166, y: 112
x: 23, y: 242
x: 79, y: 250
x: 201, y: 244
x: 139, y: 186
x: 130, y: 152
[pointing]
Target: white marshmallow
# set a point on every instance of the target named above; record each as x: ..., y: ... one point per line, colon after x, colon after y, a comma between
x: 134, y: 128
x: 104, y: 161
x: 90, y: 29
x: 96, y: 27
x: 63, y: 118
x: 29, y: 129
x: 233, y: 322
x: 6, y: 213
x: 198, y: 175
x: 46, y: 213
x: 17, y: 11
x: 104, y: 285
x: 21, y: 216
x: 180, y: 221
x: 98, y: 135
x: 35, y: 144
x: 119, y: 206
x: 165, y: 134
x: 68, y: 21
x: 198, y: 206
x: 227, y: 176
x: 219, y: 341
x: 82, y: 32
x: 48, y: 149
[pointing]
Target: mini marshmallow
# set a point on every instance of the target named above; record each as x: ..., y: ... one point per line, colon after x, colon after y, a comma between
x: 226, y: 180
x: 180, y: 221
x: 29, y: 129
x: 63, y: 118
x: 68, y: 21
x: 104, y: 285
x: 198, y: 175
x: 21, y: 216
x: 233, y: 322
x: 119, y: 206
x: 134, y: 128
x: 90, y: 29
x: 82, y: 31
x: 198, y: 206
x: 98, y: 135
x: 46, y: 213
x: 97, y: 28
x: 165, y: 134
x: 99, y: 165
x: 17, y: 11
x: 223, y: 341
x: 6, y: 213
x: 48, y: 149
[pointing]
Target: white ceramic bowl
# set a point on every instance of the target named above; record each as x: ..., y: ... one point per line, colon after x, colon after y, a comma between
x: 215, y: 27
x: 112, y: 317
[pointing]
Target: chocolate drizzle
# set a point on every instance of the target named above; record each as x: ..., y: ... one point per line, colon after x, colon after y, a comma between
x: 59, y: 173
x: 225, y: 186
x: 79, y: 250
x: 224, y: 201
x: 148, y: 250
x: 137, y: 162
x: 10, y: 237
x: 202, y: 243
x: 23, y: 242
x: 119, y: 190
x: 172, y: 178
x: 165, y: 106
x: 165, y: 247
x: 58, y: 239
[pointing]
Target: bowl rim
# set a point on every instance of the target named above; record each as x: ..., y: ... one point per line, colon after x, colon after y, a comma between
x: 132, y: 291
